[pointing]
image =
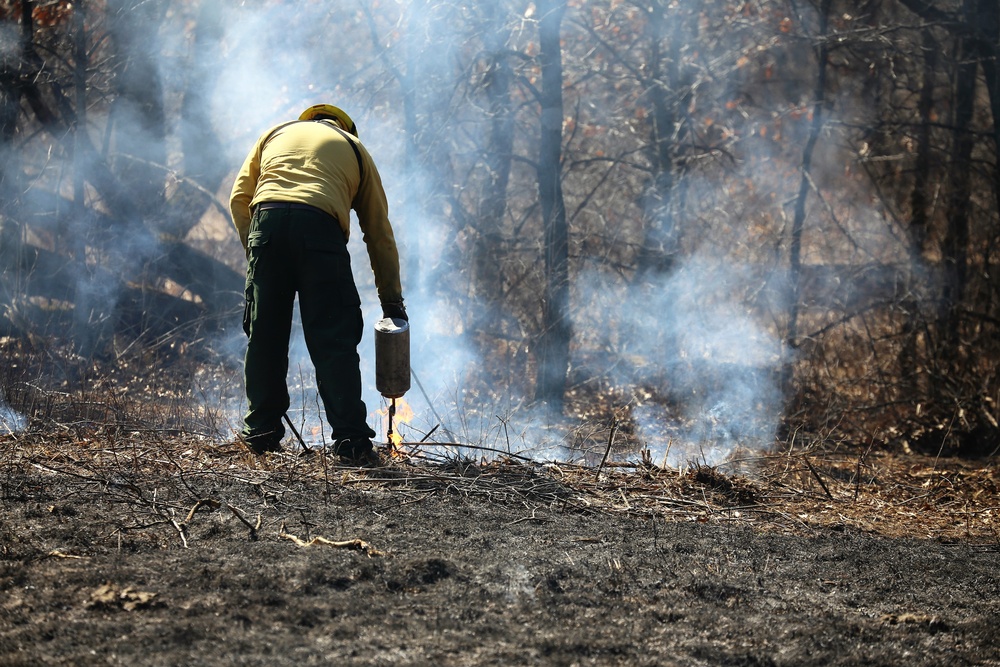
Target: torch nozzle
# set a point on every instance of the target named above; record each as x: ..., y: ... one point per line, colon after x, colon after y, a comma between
x: 392, y: 414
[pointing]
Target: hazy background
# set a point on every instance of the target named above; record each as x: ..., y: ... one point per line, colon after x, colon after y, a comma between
x: 778, y: 216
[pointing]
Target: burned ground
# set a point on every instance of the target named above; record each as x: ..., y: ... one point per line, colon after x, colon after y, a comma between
x: 154, y: 549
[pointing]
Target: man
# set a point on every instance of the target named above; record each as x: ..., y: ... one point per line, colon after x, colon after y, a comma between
x: 291, y: 206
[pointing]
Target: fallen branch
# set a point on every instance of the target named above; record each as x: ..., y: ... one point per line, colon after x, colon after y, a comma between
x: 56, y: 553
x: 356, y: 544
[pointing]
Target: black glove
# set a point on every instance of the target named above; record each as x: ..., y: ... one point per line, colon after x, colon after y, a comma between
x: 395, y: 310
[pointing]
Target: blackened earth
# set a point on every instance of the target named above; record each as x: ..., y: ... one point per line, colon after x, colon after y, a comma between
x: 179, y: 556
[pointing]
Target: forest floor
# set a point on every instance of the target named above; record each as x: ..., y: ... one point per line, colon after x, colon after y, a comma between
x: 151, y: 548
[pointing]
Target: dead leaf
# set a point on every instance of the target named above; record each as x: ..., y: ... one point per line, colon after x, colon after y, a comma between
x: 110, y: 596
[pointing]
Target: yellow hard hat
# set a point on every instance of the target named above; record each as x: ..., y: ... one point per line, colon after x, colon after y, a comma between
x: 332, y: 112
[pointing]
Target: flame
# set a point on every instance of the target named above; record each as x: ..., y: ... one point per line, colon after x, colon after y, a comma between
x: 404, y: 414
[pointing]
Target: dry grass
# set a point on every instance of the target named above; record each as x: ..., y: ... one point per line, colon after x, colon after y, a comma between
x: 166, y: 479
x: 148, y: 443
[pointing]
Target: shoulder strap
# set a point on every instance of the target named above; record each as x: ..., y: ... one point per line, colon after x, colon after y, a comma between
x: 275, y: 129
x: 354, y: 146
x: 350, y: 139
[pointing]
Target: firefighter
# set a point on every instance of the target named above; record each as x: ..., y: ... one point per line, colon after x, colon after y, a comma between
x: 291, y: 205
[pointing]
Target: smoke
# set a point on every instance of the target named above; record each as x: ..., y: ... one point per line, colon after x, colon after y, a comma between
x: 689, y: 335
x: 690, y: 344
x: 10, y: 420
x: 691, y: 339
x: 9, y: 41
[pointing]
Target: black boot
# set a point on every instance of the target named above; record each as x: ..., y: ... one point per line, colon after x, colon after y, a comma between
x: 357, y: 451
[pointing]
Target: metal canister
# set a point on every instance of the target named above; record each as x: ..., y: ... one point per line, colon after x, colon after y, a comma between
x: 392, y: 357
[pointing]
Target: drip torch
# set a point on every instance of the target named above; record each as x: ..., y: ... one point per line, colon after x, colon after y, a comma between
x: 392, y: 362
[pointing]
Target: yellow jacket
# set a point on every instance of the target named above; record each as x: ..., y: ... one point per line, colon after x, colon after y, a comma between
x: 311, y: 162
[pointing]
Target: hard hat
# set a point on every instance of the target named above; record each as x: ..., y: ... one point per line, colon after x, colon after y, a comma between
x: 333, y: 112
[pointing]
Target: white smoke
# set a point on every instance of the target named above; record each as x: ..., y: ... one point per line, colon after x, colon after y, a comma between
x: 692, y: 340
x: 691, y: 334
x: 11, y: 421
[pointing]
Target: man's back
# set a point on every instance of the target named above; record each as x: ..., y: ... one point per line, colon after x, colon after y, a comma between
x: 311, y: 163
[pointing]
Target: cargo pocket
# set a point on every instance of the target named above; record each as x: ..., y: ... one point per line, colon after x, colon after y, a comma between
x: 256, y: 243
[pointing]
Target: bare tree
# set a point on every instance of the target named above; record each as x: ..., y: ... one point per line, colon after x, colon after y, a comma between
x: 141, y: 155
x: 955, y: 245
x: 553, y: 347
x: 496, y: 81
x: 105, y: 259
x: 798, y: 222
x: 669, y: 91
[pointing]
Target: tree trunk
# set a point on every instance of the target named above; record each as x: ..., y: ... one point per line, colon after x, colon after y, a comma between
x: 920, y: 215
x: 498, y: 155
x: 423, y: 104
x: 989, y: 55
x: 798, y: 222
x: 553, y: 347
x: 988, y: 18
x: 203, y: 170
x: 74, y: 241
x: 660, y: 238
x: 11, y: 70
x: 955, y: 246
x: 139, y: 115
x: 919, y: 222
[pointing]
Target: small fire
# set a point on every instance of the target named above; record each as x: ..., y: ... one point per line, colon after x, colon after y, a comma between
x: 403, y: 415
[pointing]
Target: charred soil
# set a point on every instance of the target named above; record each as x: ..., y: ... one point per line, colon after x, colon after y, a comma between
x: 148, y: 549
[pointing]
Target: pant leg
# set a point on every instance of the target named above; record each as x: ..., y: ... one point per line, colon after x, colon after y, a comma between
x: 332, y: 323
x: 271, y: 293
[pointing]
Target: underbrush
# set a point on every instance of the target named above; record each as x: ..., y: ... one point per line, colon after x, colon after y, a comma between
x: 159, y: 466
x: 162, y: 422
x: 51, y: 386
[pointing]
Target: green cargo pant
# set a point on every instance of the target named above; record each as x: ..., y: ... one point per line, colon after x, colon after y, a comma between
x: 301, y: 251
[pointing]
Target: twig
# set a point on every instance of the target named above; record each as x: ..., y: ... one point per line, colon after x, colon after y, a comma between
x: 479, y: 448
x: 181, y: 530
x: 204, y: 502
x: 857, y: 475
x: 611, y: 441
x: 357, y: 544
x: 540, y: 519
x: 506, y: 432
x: 239, y: 515
x: 818, y: 478
x: 180, y: 472
x: 427, y: 398
x: 326, y: 475
x: 944, y: 439
x: 305, y: 447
